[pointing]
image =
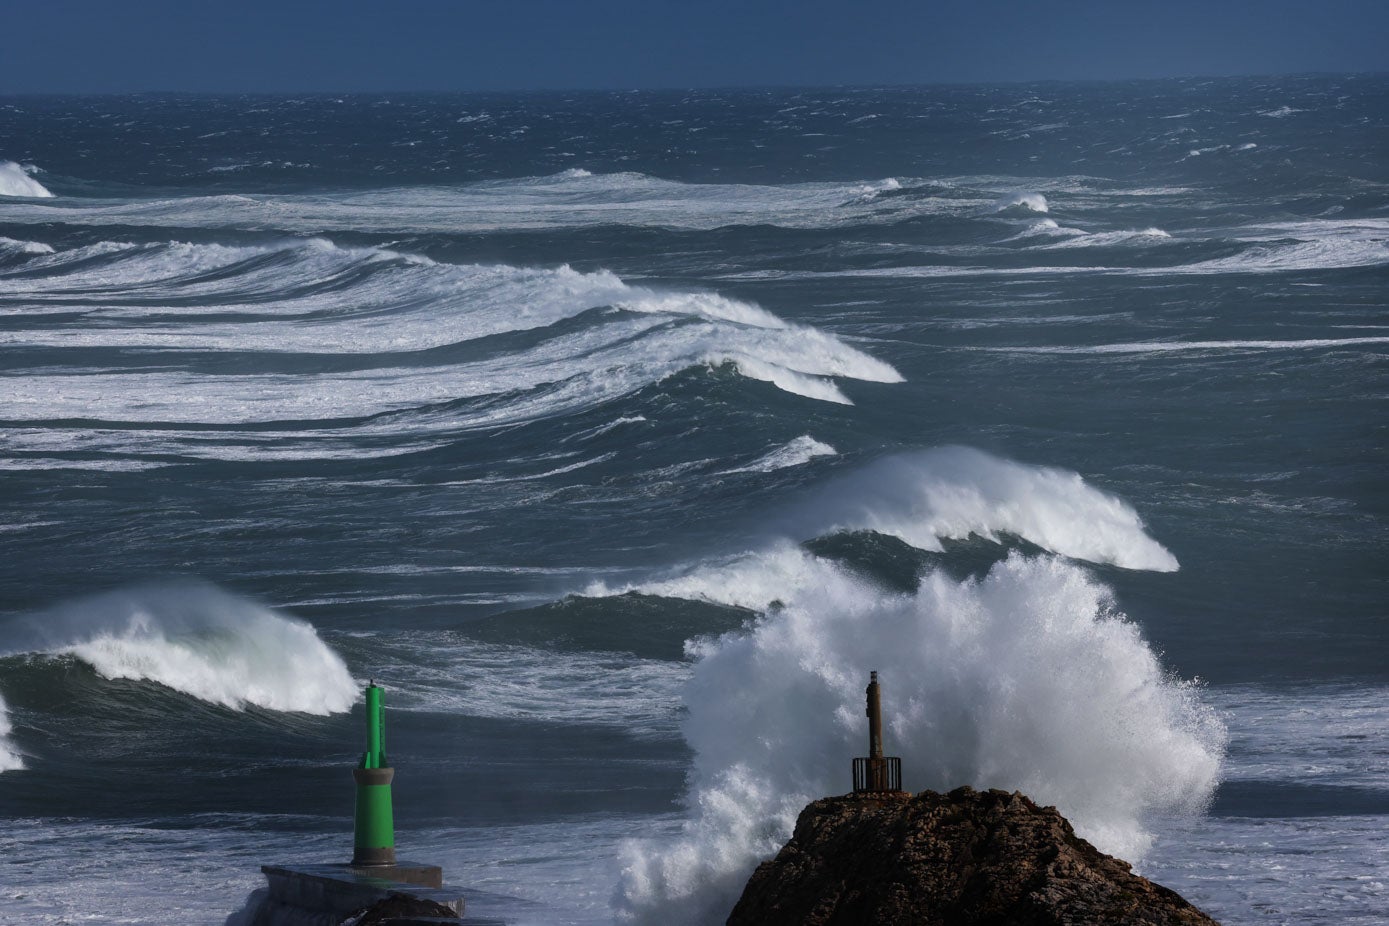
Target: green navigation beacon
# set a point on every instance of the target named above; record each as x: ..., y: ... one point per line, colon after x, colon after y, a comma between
x: 373, y: 836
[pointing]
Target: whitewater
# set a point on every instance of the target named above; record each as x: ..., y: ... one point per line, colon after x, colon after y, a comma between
x: 619, y: 436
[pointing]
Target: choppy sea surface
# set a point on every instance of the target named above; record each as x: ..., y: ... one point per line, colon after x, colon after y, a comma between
x: 620, y: 435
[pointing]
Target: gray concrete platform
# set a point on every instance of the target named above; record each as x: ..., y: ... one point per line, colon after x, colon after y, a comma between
x: 341, y: 889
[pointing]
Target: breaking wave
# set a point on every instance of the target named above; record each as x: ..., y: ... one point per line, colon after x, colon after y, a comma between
x: 595, y: 337
x: 801, y: 450
x: 15, y: 181
x: 13, y: 246
x: 1046, y: 228
x: 1021, y: 204
x: 195, y: 639
x: 954, y: 492
x: 1105, y: 239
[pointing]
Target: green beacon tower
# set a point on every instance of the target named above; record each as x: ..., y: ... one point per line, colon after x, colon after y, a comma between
x: 373, y: 831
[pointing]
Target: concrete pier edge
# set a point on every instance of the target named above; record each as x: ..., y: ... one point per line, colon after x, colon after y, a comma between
x: 342, y: 889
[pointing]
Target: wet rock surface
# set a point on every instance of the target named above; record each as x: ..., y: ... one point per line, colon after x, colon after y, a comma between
x: 967, y: 858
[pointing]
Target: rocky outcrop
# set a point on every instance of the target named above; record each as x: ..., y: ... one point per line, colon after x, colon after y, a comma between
x: 967, y: 858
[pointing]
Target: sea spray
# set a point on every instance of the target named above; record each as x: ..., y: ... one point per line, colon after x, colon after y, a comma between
x: 10, y: 760
x: 15, y: 181
x: 1026, y: 679
x: 196, y: 639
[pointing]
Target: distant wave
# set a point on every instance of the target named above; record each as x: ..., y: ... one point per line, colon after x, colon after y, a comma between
x: 574, y: 198
x: 15, y: 181
x: 1022, y: 204
x: 1271, y: 248
x: 801, y: 450
x: 1046, y: 228
x: 1158, y: 347
x: 1138, y: 236
x: 192, y: 638
x: 12, y: 246
x: 1055, y: 236
x: 596, y: 338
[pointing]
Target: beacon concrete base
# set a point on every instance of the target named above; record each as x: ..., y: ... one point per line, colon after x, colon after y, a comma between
x: 337, y: 890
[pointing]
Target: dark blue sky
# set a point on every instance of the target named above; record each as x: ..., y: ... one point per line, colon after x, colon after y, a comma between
x: 82, y: 46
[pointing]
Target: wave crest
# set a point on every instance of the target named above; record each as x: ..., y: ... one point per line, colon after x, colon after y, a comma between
x: 953, y: 492
x: 794, y: 453
x: 593, y: 338
x: 195, y: 639
x: 1022, y: 204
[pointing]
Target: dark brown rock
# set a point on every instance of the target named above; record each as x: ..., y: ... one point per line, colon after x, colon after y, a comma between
x: 967, y: 858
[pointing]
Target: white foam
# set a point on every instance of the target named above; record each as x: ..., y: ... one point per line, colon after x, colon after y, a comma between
x: 1161, y: 347
x: 1026, y: 679
x: 573, y: 198
x: 1106, y: 239
x: 1272, y: 248
x: 196, y: 639
x: 1045, y: 228
x: 14, y: 181
x: 799, y: 451
x: 953, y: 492
x: 1316, y: 246
x: 581, y: 369
x: 1322, y: 870
x: 1022, y: 203
x: 10, y: 760
x: 315, y: 297
x: 1309, y: 736
x: 24, y: 247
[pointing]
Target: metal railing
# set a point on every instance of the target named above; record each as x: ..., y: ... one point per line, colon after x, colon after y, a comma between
x: 882, y: 773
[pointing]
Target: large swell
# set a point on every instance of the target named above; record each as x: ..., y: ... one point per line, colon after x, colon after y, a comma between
x: 413, y: 349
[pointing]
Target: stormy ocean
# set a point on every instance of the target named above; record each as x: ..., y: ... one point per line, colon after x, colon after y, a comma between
x: 619, y: 435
